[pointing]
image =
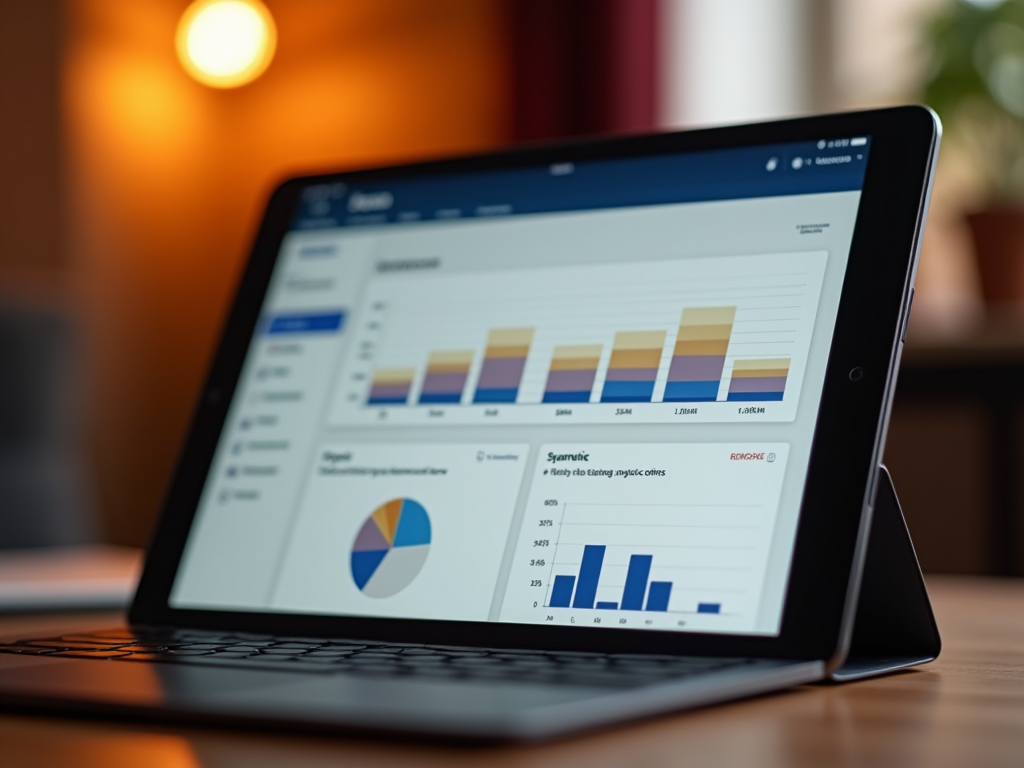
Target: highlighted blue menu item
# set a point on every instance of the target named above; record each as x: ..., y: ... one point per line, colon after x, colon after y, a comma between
x: 305, y: 322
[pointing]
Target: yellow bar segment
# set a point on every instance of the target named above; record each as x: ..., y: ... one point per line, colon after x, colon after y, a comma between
x: 454, y: 361
x: 579, y: 357
x: 778, y: 366
x: 708, y: 316
x: 635, y: 358
x: 510, y: 337
x: 704, y: 332
x: 706, y: 347
x: 636, y: 340
x: 394, y: 375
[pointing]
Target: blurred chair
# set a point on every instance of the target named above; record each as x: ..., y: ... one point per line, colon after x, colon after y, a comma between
x: 44, y: 499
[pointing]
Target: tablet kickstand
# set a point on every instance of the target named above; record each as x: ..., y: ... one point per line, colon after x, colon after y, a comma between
x: 894, y: 627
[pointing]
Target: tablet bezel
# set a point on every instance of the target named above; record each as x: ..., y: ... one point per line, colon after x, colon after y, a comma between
x: 847, y: 441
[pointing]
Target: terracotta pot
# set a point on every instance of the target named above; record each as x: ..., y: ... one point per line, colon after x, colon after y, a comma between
x: 999, y: 250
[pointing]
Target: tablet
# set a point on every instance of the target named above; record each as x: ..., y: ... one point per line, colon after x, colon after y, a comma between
x: 624, y: 393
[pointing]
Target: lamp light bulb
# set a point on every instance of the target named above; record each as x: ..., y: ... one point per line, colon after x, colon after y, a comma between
x: 226, y: 43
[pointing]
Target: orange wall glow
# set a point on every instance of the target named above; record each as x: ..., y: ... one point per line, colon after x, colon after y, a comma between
x: 168, y: 177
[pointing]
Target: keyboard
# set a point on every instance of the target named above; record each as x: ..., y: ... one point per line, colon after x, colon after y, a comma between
x: 345, y: 656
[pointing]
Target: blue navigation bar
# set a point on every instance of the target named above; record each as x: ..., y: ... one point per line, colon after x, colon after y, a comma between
x: 835, y: 165
x: 306, y: 322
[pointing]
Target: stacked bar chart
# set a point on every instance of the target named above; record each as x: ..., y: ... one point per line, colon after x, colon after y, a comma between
x: 759, y: 380
x: 673, y: 340
x: 633, y: 369
x: 446, y: 377
x: 504, y: 361
x: 699, y: 355
x: 572, y: 373
x: 580, y: 591
x: 391, y: 386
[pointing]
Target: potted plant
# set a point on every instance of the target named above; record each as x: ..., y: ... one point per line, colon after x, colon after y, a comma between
x: 975, y: 81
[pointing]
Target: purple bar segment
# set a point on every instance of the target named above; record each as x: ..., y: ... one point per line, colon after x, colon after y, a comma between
x: 758, y: 384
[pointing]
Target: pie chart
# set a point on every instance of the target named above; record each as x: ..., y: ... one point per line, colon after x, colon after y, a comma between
x: 391, y: 548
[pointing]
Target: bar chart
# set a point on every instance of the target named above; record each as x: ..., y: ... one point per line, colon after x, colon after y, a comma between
x: 633, y: 368
x: 699, y: 355
x: 504, y: 360
x: 571, y: 376
x: 681, y: 340
x: 580, y: 590
x: 391, y: 386
x: 683, y: 544
x: 446, y: 376
x: 759, y: 380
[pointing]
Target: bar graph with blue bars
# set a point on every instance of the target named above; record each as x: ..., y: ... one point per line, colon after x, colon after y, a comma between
x: 580, y: 590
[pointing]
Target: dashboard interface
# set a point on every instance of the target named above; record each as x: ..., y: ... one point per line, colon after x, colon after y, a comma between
x: 573, y: 394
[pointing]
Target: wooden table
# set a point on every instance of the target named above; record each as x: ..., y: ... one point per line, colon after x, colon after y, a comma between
x: 967, y: 709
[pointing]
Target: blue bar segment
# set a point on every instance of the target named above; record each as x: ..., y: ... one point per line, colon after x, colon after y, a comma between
x: 495, y: 395
x: 603, y: 606
x: 387, y: 400
x: 754, y: 397
x: 590, y: 572
x: 709, y: 608
x: 307, y: 322
x: 567, y: 397
x: 441, y: 398
x: 561, y: 592
x: 657, y: 597
x: 691, y: 391
x: 627, y: 392
x: 636, y: 582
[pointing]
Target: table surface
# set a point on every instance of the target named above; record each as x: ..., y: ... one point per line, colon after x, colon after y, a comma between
x: 965, y: 709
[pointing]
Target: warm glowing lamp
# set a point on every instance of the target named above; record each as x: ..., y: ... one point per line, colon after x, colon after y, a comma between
x: 226, y: 43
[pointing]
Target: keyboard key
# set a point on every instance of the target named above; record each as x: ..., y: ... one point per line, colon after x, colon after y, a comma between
x: 146, y: 657
x: 367, y: 658
x: 335, y: 654
x: 423, y: 661
x: 188, y: 652
x: 476, y: 661
x: 28, y: 650
x: 270, y: 657
x: 113, y: 634
x: 377, y: 669
x: 56, y: 643
x: 76, y: 654
x: 438, y: 671
x: 228, y: 655
x: 463, y: 654
x: 93, y: 640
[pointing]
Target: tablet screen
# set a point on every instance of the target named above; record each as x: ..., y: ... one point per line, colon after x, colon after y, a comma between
x: 578, y: 394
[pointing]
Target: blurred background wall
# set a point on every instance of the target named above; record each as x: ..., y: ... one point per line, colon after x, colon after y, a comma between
x: 166, y: 178
x: 129, y: 192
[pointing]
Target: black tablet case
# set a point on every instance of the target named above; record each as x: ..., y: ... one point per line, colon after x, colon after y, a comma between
x: 894, y: 626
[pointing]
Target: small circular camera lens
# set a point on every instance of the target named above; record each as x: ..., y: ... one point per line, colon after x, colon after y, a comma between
x: 856, y: 374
